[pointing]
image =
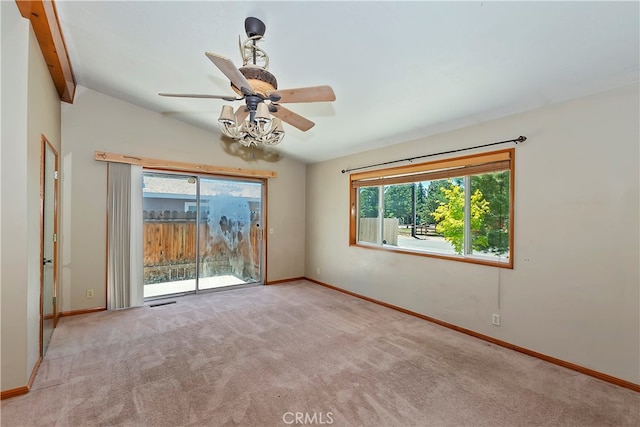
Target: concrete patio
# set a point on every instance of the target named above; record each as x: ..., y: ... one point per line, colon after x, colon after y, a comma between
x: 181, y: 286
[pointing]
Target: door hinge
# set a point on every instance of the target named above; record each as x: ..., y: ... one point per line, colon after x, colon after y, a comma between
x: 54, y: 300
x: 55, y: 237
x: 55, y: 174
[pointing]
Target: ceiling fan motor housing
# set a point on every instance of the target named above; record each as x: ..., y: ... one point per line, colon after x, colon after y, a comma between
x: 254, y: 27
x: 261, y: 80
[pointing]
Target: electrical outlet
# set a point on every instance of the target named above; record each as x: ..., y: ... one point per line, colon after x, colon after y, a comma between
x: 318, y: 271
x: 89, y: 293
x: 495, y: 319
x: 271, y: 231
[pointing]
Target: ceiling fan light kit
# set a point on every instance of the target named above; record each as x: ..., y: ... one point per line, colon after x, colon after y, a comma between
x: 253, y: 124
x: 262, y: 130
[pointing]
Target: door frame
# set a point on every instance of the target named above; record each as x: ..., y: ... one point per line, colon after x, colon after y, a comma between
x: 45, y: 144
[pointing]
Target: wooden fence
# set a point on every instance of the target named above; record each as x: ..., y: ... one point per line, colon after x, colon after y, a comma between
x: 170, y: 251
x: 368, y: 231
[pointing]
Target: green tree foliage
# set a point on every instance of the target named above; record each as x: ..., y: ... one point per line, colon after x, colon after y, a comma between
x: 369, y: 202
x: 450, y: 217
x: 398, y: 202
x: 495, y: 228
x: 421, y: 200
x: 433, y: 198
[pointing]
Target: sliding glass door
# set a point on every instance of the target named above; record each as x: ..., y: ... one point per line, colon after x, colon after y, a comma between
x: 231, y: 239
x: 200, y: 233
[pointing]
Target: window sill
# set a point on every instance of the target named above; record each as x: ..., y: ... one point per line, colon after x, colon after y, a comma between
x: 475, y: 259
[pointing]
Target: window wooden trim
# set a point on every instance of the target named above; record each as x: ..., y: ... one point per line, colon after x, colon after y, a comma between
x: 472, y: 159
x: 435, y: 175
x: 439, y: 169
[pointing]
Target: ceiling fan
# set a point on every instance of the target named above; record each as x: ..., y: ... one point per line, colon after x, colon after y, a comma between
x: 254, y: 84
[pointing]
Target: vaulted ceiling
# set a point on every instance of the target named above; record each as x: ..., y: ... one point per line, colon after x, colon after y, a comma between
x: 400, y: 70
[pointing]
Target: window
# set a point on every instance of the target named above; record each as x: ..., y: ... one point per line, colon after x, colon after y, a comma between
x: 459, y: 209
x: 191, y: 206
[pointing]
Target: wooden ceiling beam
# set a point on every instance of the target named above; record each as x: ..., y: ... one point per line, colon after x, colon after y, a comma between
x: 44, y: 20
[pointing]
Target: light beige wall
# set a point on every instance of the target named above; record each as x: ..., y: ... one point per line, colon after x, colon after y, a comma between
x: 574, y: 293
x: 30, y: 107
x: 96, y: 122
x: 43, y: 119
x: 13, y: 268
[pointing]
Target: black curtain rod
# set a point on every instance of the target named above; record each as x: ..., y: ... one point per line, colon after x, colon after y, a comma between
x: 409, y: 159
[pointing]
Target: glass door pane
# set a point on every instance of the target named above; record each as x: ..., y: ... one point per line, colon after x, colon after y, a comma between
x: 169, y: 234
x: 230, y: 248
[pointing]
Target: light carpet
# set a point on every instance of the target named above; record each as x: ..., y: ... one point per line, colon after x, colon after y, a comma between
x: 293, y: 354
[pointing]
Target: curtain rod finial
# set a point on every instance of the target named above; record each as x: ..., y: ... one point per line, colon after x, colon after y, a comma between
x: 521, y: 139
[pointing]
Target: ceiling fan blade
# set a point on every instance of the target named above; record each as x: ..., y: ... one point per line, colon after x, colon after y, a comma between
x: 195, y: 95
x: 229, y: 69
x: 305, y: 94
x: 293, y: 119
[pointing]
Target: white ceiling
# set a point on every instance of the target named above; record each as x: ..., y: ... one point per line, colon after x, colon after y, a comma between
x: 400, y: 70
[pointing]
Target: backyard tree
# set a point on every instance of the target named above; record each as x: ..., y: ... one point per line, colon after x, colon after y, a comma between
x: 368, y: 202
x: 450, y: 217
x: 421, y: 201
x: 495, y: 189
x: 398, y: 202
x: 432, y: 199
